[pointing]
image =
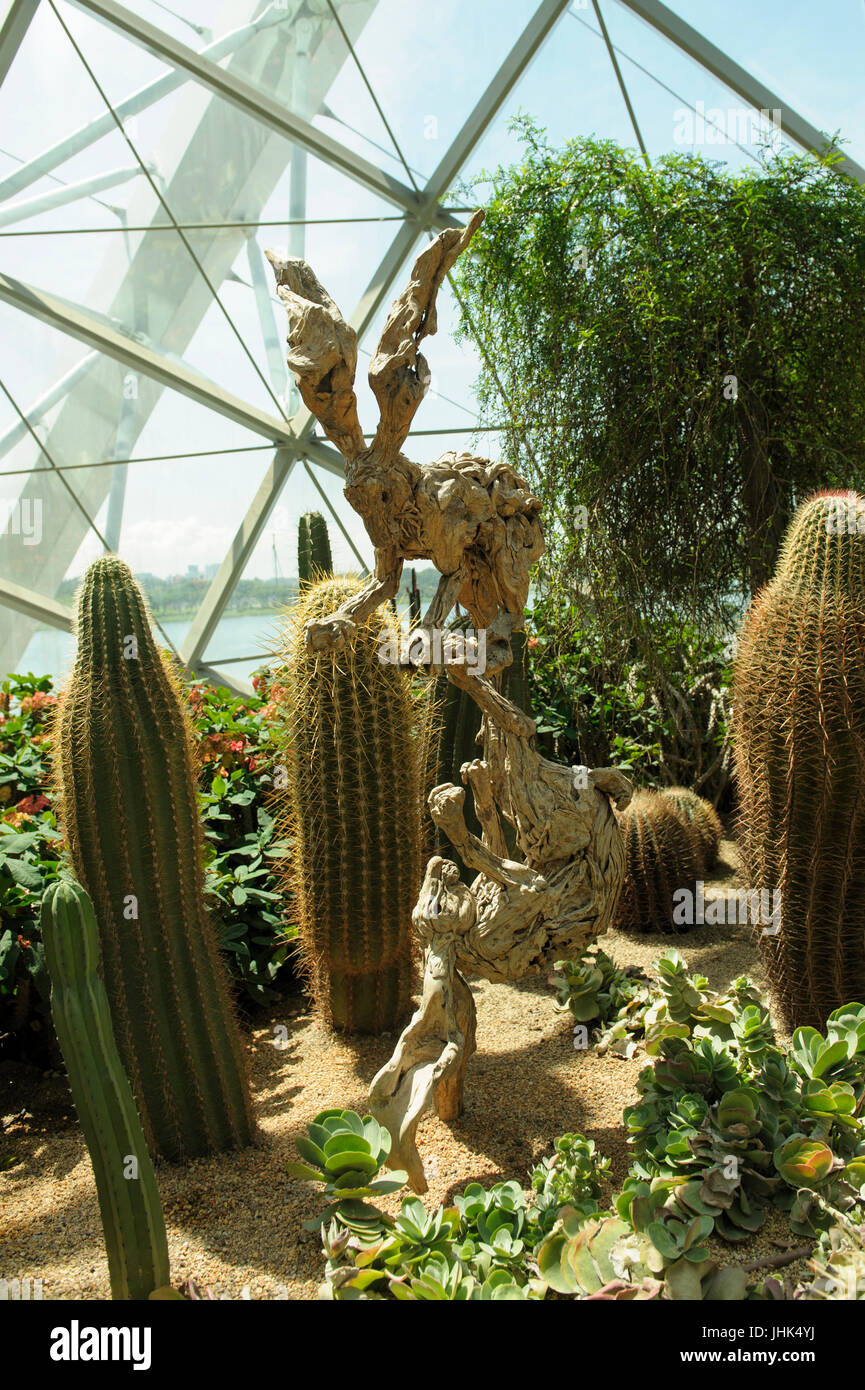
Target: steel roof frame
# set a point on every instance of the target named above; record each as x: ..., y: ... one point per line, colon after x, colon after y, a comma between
x: 296, y: 439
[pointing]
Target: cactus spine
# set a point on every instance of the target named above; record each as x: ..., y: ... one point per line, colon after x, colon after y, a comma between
x: 799, y: 734
x: 701, y: 816
x: 130, y: 811
x: 313, y: 548
x: 354, y: 753
x: 662, y: 854
x: 132, y: 1218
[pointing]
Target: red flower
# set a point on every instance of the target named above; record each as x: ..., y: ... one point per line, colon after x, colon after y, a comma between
x: 236, y: 745
x: 32, y: 704
x: 23, y: 942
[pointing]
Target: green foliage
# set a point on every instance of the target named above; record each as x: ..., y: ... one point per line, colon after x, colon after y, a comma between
x: 572, y: 1176
x: 243, y: 854
x: 129, y: 1204
x: 613, y: 301
x: 599, y: 698
x: 235, y: 759
x: 29, y: 856
x: 594, y: 988
x: 728, y: 1126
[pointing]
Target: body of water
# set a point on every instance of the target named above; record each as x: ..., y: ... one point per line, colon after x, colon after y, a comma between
x: 51, y: 652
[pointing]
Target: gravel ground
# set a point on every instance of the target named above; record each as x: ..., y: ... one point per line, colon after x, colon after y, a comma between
x: 234, y: 1222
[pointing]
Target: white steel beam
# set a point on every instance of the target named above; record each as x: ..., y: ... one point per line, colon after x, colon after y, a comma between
x: 302, y: 423
x: 256, y: 103
x: 737, y: 78
x: 15, y: 26
x: 33, y: 605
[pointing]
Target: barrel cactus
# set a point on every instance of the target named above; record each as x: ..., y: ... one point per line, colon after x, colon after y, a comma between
x: 132, y: 1219
x: 129, y: 807
x: 701, y: 816
x: 662, y: 857
x: 352, y: 742
x: 313, y: 548
x: 799, y: 732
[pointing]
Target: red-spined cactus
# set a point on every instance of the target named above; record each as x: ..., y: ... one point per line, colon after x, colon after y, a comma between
x: 799, y: 729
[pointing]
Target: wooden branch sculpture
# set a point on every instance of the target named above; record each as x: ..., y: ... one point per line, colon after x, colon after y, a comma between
x: 479, y: 524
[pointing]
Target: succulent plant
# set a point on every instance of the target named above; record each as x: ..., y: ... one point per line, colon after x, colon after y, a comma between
x: 346, y: 1153
x: 799, y: 737
x: 132, y: 1220
x: 314, y: 559
x: 593, y: 987
x: 663, y: 856
x: 352, y: 740
x: 573, y: 1175
x: 129, y: 807
x: 583, y: 1257
x: 702, y: 818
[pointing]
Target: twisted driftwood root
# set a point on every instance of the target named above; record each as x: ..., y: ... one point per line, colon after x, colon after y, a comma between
x: 479, y: 524
x: 428, y: 1066
x: 515, y: 919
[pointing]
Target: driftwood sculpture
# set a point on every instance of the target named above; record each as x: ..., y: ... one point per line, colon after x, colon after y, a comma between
x: 479, y: 524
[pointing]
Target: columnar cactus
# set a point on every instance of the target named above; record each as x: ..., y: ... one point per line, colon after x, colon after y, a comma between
x: 662, y: 857
x: 799, y: 731
x: 353, y: 750
x: 313, y: 548
x: 132, y: 1218
x: 701, y: 816
x: 130, y: 812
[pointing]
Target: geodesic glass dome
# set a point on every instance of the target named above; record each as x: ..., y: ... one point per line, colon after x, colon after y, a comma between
x: 150, y: 153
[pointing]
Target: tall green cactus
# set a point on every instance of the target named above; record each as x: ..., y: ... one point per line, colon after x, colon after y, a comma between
x: 799, y: 732
x: 129, y: 808
x: 353, y: 748
x: 313, y: 548
x: 662, y: 855
x: 132, y: 1219
x: 459, y: 723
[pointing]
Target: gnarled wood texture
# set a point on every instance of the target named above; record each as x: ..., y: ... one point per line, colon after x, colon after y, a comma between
x: 479, y: 524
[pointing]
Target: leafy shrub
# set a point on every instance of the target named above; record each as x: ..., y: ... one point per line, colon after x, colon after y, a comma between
x: 598, y: 700
x: 235, y: 777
